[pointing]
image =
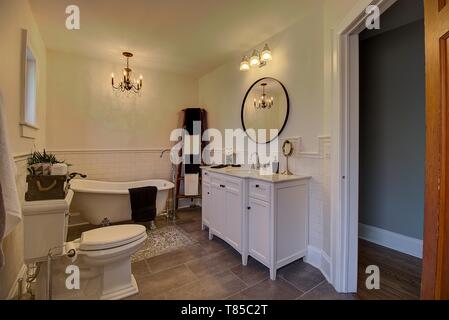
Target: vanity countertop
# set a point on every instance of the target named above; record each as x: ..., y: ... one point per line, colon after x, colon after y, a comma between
x: 252, y: 174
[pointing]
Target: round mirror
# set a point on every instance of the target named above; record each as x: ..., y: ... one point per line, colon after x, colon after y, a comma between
x: 265, y: 110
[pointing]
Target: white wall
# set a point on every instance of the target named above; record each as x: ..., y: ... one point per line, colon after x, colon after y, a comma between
x: 334, y: 12
x: 298, y: 64
x: 15, y: 16
x: 85, y: 113
x: 110, y: 135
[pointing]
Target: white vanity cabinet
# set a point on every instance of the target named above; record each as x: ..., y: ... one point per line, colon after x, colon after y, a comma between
x: 278, y: 222
x: 226, y: 210
x: 262, y: 217
x: 205, y: 198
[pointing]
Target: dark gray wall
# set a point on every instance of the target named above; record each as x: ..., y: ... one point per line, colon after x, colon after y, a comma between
x: 392, y: 130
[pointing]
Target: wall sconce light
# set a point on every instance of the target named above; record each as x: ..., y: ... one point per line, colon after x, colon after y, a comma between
x: 257, y: 59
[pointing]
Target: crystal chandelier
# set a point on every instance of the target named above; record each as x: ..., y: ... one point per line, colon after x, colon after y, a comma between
x: 264, y: 102
x: 127, y: 84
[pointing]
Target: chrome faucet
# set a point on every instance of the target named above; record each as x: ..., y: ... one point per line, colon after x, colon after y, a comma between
x: 255, y: 166
x: 164, y: 151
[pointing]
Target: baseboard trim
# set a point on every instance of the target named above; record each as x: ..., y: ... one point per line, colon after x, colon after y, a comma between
x: 392, y: 240
x: 320, y: 260
x: 15, y: 287
x: 326, y: 266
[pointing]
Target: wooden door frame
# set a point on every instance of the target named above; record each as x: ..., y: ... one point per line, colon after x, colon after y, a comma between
x: 435, y: 263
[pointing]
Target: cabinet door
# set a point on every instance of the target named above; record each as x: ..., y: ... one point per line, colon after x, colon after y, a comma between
x: 259, y: 230
x: 217, y: 214
x: 234, y: 217
x: 205, y: 203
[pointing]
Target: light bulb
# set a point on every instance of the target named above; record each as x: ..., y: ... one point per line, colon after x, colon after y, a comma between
x: 255, y: 59
x: 244, y: 65
x: 266, y: 54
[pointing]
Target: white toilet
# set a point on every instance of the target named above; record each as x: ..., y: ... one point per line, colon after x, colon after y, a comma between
x: 103, y: 255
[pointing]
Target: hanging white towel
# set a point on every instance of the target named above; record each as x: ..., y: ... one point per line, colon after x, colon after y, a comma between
x: 10, y: 209
x: 191, y: 182
x: 192, y: 144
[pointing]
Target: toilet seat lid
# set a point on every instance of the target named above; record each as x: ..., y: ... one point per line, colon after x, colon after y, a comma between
x: 110, y: 237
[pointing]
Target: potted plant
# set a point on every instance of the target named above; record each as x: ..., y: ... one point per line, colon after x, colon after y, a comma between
x: 41, y: 184
x: 40, y: 163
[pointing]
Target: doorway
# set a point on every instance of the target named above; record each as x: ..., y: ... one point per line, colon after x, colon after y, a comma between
x: 344, y: 181
x: 392, y: 152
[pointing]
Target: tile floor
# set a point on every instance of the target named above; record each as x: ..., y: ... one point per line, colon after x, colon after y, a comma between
x: 212, y: 270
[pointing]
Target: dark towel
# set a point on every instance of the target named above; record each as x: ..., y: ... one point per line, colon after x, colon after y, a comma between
x: 143, y: 203
x: 192, y: 115
x: 192, y: 164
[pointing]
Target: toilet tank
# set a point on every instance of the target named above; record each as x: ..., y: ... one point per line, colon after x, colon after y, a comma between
x: 45, y: 227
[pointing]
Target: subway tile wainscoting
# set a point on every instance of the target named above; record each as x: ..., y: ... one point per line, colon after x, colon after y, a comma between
x: 118, y: 165
x: 317, y: 165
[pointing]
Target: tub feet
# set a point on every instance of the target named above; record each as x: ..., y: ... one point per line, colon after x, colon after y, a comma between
x: 105, y: 222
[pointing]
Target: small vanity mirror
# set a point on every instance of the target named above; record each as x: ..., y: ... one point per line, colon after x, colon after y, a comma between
x: 287, y: 151
x: 287, y: 148
x: 265, y: 106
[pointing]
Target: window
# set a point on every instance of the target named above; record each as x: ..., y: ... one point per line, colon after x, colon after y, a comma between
x: 29, y: 86
x: 30, y: 89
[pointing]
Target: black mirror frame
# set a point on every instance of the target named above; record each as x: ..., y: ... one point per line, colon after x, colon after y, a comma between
x: 286, y: 116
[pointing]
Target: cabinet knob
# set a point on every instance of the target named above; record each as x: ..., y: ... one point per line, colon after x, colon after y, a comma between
x: 257, y: 186
x: 249, y: 208
x: 208, y: 193
x: 222, y: 186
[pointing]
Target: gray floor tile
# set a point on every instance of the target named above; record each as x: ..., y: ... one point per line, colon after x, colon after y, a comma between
x: 154, y: 285
x: 325, y: 291
x: 253, y: 273
x: 302, y: 275
x: 269, y: 290
x: 140, y: 269
x: 172, y: 259
x: 214, y: 263
x: 214, y: 287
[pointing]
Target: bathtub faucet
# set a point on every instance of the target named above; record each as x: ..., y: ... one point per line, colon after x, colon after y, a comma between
x: 164, y: 151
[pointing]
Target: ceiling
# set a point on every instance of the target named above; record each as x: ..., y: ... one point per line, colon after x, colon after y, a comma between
x: 183, y: 36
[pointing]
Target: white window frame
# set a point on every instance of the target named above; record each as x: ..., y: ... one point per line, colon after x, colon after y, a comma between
x: 28, y: 128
